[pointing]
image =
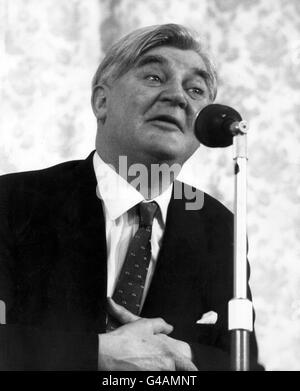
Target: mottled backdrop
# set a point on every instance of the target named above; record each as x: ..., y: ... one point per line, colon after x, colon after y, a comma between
x: 49, y: 51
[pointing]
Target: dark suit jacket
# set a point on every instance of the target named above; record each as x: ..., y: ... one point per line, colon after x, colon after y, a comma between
x: 53, y: 272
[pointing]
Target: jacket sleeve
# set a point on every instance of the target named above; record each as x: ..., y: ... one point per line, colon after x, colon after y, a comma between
x: 26, y: 348
x: 23, y: 348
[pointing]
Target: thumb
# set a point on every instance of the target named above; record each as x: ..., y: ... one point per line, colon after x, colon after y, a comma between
x: 158, y: 325
x: 120, y: 313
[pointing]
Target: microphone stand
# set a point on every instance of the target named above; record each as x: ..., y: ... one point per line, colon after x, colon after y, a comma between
x: 2, y: 312
x: 240, y: 314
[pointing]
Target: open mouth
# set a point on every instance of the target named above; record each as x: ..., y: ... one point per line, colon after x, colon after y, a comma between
x: 167, y: 121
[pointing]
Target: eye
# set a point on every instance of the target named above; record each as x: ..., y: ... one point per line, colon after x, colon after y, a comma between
x: 153, y: 78
x: 196, y: 92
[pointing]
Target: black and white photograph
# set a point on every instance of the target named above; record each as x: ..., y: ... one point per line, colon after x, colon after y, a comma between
x: 150, y: 187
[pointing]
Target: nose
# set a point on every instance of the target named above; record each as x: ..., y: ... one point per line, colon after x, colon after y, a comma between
x: 175, y: 95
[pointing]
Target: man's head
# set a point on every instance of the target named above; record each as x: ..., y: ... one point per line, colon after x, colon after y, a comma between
x: 124, y: 54
x: 147, y: 93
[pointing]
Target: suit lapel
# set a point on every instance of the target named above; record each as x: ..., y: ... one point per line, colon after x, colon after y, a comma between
x: 82, y: 243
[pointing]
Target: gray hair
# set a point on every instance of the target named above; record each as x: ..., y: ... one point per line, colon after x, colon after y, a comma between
x: 124, y: 54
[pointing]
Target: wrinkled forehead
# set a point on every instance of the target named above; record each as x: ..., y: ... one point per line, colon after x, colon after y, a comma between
x: 168, y: 56
x: 190, y: 56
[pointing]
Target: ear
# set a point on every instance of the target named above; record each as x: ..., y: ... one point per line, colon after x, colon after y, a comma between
x: 99, y: 102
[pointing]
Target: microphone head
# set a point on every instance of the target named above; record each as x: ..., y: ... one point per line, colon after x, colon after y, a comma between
x: 212, y: 126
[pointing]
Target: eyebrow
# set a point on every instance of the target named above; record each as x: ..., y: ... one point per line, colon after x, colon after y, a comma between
x: 151, y: 59
x: 161, y: 60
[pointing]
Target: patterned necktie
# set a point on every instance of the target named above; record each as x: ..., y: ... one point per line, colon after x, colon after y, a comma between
x: 130, y: 286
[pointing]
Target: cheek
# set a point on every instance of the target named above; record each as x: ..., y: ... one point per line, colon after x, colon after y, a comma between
x: 120, y: 108
x: 195, y: 110
x: 192, y: 142
x: 130, y: 101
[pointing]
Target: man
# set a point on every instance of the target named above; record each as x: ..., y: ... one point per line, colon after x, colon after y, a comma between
x: 68, y: 232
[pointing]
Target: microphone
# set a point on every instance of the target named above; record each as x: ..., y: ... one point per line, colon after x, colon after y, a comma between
x: 216, y: 125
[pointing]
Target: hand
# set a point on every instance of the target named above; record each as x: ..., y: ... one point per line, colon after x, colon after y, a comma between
x: 123, y: 316
x: 141, y: 344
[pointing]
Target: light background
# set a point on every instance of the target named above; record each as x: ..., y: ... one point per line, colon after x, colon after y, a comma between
x: 49, y: 51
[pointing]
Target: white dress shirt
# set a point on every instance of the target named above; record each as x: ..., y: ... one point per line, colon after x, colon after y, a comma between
x: 119, y: 199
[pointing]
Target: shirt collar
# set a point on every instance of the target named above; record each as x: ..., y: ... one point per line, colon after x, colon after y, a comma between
x: 118, y: 195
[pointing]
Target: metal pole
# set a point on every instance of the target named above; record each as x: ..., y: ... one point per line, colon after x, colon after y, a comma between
x: 240, y: 349
x: 240, y: 308
x: 2, y: 312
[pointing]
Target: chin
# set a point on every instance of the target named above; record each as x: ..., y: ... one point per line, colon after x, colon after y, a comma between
x: 175, y: 153
x: 166, y: 155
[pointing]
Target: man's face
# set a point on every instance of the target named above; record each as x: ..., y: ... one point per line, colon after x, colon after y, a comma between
x: 150, y: 111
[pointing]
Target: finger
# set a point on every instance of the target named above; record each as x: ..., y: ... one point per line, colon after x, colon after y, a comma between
x: 120, y: 313
x: 158, y: 325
